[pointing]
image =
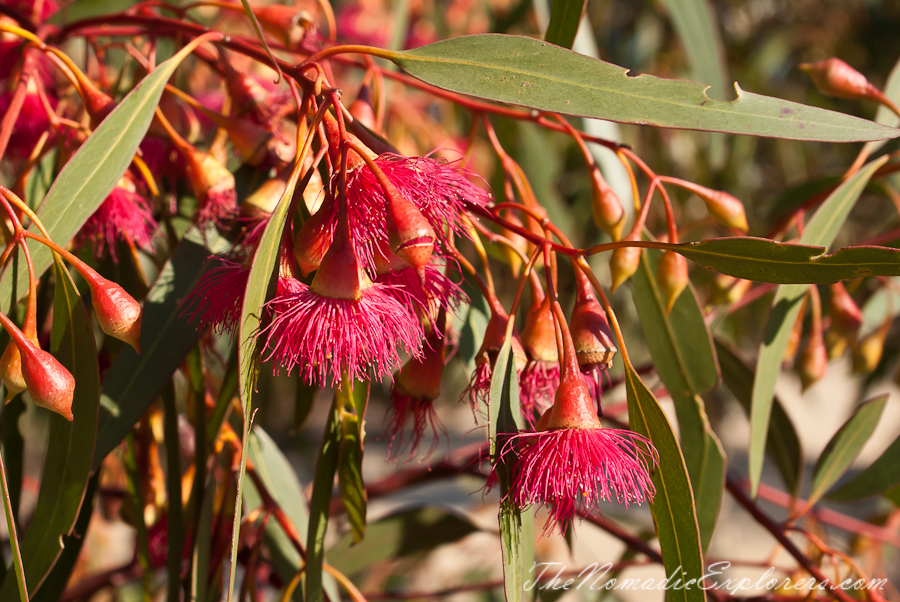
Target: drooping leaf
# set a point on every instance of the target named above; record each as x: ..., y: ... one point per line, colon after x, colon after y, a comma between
x: 92, y: 173
x: 845, y: 445
x: 530, y: 73
x: 70, y: 447
x: 175, y: 512
x: 280, y: 480
x: 353, y: 437
x: 403, y: 534
x: 821, y: 230
x: 504, y: 418
x: 565, y: 17
x: 765, y: 260
x: 782, y: 443
x: 134, y: 380
x: 326, y: 466
x: 681, y: 346
x: 881, y: 475
x: 698, y: 32
x: 673, y: 506
x: 262, y: 276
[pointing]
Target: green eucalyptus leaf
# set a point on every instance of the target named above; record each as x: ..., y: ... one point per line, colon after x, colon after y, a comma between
x: 134, y: 380
x: 326, y: 466
x: 70, y: 447
x: 535, y: 74
x: 845, y: 445
x: 782, y: 443
x: 673, y: 506
x: 353, y: 436
x: 765, y: 260
x: 698, y: 32
x: 683, y: 355
x: 565, y: 17
x: 881, y: 475
x: 407, y: 533
x: 820, y: 231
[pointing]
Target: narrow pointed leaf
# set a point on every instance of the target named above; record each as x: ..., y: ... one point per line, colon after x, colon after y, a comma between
x: 698, y: 32
x: 565, y: 17
x: 326, y: 466
x: 883, y: 474
x: 407, y: 533
x: 883, y: 114
x: 70, y: 447
x: 92, y: 173
x: 505, y: 417
x: 844, y: 446
x: 673, y: 507
x: 821, y: 231
x: 782, y: 443
x: 530, y: 73
x: 684, y: 358
x: 765, y: 260
x: 134, y: 380
x: 353, y: 437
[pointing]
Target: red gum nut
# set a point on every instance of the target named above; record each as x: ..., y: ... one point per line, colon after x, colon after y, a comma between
x: 50, y: 385
x: 409, y: 233
x: 812, y: 362
x: 494, y: 334
x: 340, y: 276
x: 11, y: 369
x: 313, y: 239
x: 845, y: 315
x: 609, y: 215
x: 591, y: 334
x: 206, y: 175
x: 573, y: 406
x: 118, y: 314
x: 672, y: 277
x: 836, y: 78
x: 420, y: 378
x: 623, y: 264
x: 539, y: 335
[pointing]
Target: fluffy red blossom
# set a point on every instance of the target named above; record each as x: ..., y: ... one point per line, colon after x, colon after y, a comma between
x: 537, y: 386
x: 217, y: 298
x: 438, y: 291
x: 571, y: 469
x: 325, y: 337
x: 441, y: 190
x: 124, y: 215
x: 420, y: 411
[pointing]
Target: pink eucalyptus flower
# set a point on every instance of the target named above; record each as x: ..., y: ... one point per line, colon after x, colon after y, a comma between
x: 537, y: 386
x: 30, y: 126
x: 326, y: 337
x: 437, y: 292
x: 125, y: 215
x: 216, y: 301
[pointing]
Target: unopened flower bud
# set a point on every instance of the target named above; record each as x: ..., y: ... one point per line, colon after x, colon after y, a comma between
x: 118, y: 314
x: 11, y: 369
x: 286, y: 23
x: 868, y: 352
x: 314, y: 237
x: 362, y: 109
x: 539, y: 335
x: 590, y: 330
x: 672, y: 277
x: 836, y: 343
x: 263, y: 200
x: 812, y: 363
x: 790, y: 350
x: 728, y: 289
x: 623, y: 264
x: 50, y: 385
x: 845, y: 315
x: 725, y: 208
x: 213, y: 185
x: 836, y: 78
x: 609, y: 215
x: 409, y: 232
